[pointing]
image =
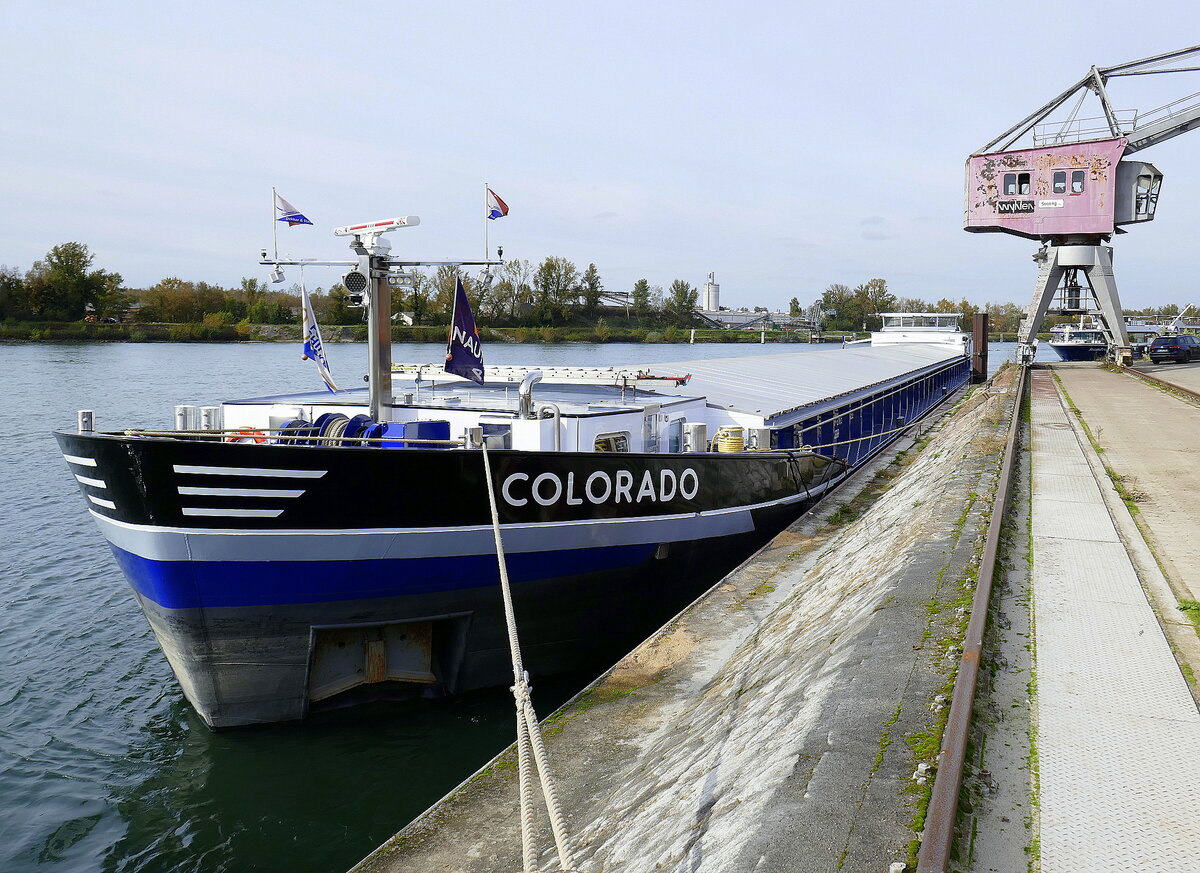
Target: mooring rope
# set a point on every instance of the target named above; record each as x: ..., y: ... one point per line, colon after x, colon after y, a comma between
x: 862, y: 439
x: 529, y: 732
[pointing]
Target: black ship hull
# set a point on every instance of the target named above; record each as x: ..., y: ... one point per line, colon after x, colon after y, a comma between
x: 280, y: 578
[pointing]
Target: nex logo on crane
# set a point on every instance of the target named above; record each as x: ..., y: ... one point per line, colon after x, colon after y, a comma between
x: 1014, y: 207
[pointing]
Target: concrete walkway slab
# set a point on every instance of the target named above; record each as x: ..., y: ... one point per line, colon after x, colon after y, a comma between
x: 1151, y: 439
x: 1067, y: 487
x: 1117, y: 726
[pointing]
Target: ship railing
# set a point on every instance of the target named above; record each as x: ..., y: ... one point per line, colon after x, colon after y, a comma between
x: 285, y: 435
x: 619, y: 377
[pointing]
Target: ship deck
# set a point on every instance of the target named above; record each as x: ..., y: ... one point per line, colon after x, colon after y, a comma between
x: 771, y: 386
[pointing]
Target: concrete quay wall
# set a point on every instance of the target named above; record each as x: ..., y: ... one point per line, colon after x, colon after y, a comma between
x: 777, y: 723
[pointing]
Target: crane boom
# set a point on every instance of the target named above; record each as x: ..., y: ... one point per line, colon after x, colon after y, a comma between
x: 1154, y: 132
x: 1142, y: 129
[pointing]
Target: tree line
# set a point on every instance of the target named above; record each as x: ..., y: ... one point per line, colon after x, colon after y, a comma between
x: 843, y: 308
x: 66, y: 286
x: 554, y: 293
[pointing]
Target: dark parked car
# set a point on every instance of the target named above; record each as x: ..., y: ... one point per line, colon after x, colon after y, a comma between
x: 1180, y: 348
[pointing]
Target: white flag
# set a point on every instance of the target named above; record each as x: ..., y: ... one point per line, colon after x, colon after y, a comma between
x: 287, y: 212
x: 312, y: 340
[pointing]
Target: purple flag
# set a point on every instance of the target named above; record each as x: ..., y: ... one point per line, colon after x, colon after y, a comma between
x: 464, y: 354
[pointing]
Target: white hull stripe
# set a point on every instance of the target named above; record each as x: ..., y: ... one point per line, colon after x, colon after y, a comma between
x: 206, y: 544
x: 95, y: 483
x: 83, y: 462
x: 231, y: 513
x: 100, y: 501
x: 249, y: 471
x: 174, y: 544
x: 196, y: 491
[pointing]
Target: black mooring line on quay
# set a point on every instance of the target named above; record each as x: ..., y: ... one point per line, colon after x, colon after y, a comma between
x: 938, y: 839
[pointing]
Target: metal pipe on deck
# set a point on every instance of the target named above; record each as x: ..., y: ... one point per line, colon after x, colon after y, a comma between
x: 554, y: 408
x: 525, y: 394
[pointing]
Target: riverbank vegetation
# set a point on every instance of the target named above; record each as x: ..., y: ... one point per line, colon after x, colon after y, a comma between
x: 64, y: 297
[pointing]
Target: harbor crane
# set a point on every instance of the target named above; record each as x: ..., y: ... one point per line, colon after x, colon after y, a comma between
x: 1066, y: 183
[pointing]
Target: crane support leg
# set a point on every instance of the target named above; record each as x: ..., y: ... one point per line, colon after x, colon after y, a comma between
x: 1049, y: 275
x: 1104, y: 288
x: 1095, y: 261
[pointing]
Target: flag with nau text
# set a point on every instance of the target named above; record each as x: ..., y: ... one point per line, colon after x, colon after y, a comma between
x: 496, y: 208
x: 312, y: 341
x: 464, y: 354
x: 288, y: 212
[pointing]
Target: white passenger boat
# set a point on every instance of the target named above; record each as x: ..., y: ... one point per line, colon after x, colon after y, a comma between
x: 1085, y: 341
x: 939, y: 328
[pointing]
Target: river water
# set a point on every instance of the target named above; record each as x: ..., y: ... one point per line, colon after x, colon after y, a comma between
x: 103, y: 764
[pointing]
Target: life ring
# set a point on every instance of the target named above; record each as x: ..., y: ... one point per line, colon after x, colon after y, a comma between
x: 246, y: 435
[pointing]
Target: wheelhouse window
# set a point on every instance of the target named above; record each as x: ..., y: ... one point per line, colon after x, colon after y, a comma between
x: 1060, y: 181
x: 1010, y: 183
x: 612, y: 442
x: 1077, y: 181
x: 675, y: 436
x: 1023, y: 186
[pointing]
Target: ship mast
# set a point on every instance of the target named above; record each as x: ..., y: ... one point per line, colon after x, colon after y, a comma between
x: 369, y: 285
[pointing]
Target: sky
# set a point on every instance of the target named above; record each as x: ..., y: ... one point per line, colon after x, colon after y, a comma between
x: 784, y: 146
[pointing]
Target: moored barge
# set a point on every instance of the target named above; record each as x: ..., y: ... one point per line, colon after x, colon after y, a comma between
x: 291, y: 552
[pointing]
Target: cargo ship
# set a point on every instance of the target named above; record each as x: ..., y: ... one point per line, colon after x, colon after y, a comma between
x: 301, y: 551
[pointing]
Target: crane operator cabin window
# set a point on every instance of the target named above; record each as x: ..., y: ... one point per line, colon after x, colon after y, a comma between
x: 1016, y: 183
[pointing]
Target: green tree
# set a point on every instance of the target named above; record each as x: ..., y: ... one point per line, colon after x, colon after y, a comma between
x: 842, y: 307
x: 794, y: 307
x: 964, y: 307
x: 111, y: 300
x: 873, y: 298
x: 442, y: 305
x: 514, y: 292
x: 680, y: 305
x: 641, y: 298
x: 252, y: 288
x: 592, y: 289
x: 418, y: 299
x: 14, y: 297
x: 275, y: 308
x: 1004, y: 317
x: 911, y: 304
x: 62, y: 284
x: 340, y: 310
x: 167, y: 300
x: 555, y: 286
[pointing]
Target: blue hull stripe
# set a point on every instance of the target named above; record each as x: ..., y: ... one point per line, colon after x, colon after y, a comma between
x: 192, y: 584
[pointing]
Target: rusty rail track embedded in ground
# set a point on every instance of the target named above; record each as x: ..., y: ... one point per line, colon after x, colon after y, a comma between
x: 1163, y: 383
x: 938, y: 839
